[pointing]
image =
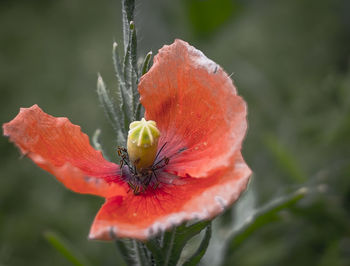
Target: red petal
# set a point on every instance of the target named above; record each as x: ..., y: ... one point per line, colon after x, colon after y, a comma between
x: 196, y: 108
x: 58, y: 146
x: 143, y: 216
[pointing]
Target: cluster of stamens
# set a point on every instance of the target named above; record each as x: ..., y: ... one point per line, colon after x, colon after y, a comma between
x: 140, y: 180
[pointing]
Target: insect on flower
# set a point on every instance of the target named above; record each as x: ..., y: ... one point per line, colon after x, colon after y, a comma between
x: 182, y: 162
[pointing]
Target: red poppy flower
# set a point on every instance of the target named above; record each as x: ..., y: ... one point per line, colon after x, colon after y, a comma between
x: 202, y: 120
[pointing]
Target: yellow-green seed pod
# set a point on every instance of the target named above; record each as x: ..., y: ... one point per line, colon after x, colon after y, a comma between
x: 142, y: 143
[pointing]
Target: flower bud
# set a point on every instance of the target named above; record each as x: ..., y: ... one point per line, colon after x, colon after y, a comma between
x: 142, y: 143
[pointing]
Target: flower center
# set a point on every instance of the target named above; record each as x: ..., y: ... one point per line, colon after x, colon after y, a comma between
x: 139, y: 162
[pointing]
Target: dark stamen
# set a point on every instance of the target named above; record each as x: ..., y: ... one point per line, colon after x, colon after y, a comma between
x: 160, y: 151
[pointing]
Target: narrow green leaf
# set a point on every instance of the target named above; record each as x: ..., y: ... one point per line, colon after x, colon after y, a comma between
x: 133, y: 47
x: 197, y: 256
x: 128, y: 8
x: 96, y: 140
x: 284, y: 158
x: 127, y: 66
x: 112, y: 111
x: 65, y: 249
x: 175, y: 241
x: 122, y: 92
x: 130, y: 70
x: 146, y: 63
x: 262, y: 216
x: 134, y: 72
x: 107, y: 103
x: 166, y: 250
x: 118, y: 68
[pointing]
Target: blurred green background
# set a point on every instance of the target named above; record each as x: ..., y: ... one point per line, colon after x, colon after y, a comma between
x: 289, y: 60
